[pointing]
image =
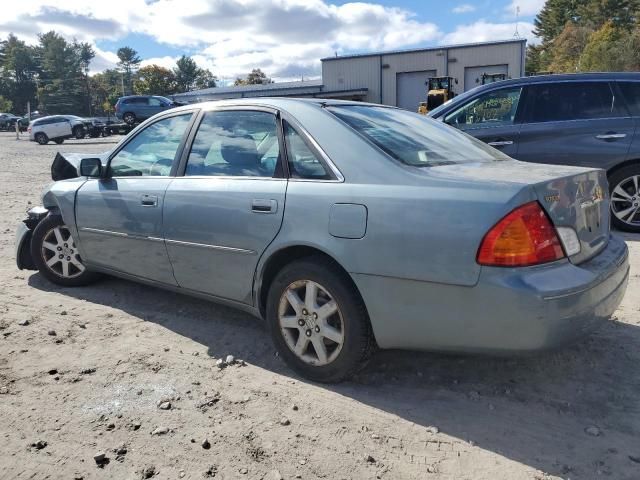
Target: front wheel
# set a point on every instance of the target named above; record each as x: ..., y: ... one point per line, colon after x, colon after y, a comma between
x: 625, y: 198
x: 79, y: 133
x: 56, y: 256
x: 318, y: 321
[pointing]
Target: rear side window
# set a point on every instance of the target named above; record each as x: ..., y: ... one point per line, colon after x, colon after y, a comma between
x: 235, y: 143
x: 555, y: 102
x: 631, y: 92
x: 414, y: 139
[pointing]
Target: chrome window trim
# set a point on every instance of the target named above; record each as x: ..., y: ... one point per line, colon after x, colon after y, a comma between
x: 170, y: 241
x: 209, y: 246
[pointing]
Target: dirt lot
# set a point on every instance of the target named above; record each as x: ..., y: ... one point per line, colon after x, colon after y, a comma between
x: 87, y: 373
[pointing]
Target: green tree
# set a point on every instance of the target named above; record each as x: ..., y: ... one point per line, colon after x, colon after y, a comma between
x: 601, y: 51
x: 154, y: 80
x: 189, y: 76
x: 129, y: 60
x: 256, y: 77
x: 6, y: 105
x: 18, y: 70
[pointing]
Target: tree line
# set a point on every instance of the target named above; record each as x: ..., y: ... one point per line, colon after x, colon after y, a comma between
x: 586, y: 35
x: 53, y: 76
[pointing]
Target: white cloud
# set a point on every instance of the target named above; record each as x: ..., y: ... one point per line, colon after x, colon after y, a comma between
x: 283, y: 37
x: 527, y: 7
x: 464, y: 8
x: 483, y: 31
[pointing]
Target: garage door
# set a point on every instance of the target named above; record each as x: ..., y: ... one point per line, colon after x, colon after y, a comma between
x: 411, y: 88
x: 473, y: 75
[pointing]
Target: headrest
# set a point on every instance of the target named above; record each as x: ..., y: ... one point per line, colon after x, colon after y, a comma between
x: 240, y: 151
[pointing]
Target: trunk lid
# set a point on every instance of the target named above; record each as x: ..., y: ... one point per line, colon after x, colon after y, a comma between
x: 579, y: 201
x: 573, y: 197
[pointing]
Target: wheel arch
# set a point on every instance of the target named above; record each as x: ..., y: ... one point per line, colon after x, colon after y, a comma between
x: 621, y: 165
x: 278, y: 259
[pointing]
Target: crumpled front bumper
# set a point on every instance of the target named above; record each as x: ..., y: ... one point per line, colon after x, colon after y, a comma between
x: 24, y: 232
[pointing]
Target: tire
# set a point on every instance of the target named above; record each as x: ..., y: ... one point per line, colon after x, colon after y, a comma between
x: 625, y: 181
x: 41, y: 138
x: 53, y: 232
x: 129, y: 118
x: 79, y: 133
x: 59, y: 141
x: 349, y: 324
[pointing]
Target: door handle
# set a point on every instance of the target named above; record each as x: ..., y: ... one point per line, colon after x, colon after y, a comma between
x: 259, y: 205
x: 501, y: 143
x: 611, y: 136
x: 149, y: 200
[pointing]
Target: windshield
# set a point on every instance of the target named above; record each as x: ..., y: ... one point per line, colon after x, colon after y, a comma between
x: 414, y: 139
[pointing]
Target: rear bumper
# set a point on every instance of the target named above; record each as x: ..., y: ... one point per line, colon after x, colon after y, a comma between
x: 508, y: 310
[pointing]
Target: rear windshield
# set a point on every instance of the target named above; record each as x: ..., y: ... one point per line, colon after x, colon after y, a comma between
x: 414, y: 139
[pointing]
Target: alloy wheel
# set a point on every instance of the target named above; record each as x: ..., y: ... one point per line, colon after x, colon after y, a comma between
x: 60, y: 254
x: 311, y: 322
x: 625, y: 200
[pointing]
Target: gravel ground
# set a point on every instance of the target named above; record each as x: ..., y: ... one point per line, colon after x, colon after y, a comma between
x: 89, y: 373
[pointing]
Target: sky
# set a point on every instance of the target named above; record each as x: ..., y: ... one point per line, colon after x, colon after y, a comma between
x: 285, y: 38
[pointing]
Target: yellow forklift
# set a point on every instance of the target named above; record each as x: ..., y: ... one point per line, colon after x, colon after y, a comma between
x: 439, y: 91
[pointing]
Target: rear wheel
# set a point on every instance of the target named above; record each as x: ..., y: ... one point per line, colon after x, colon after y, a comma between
x: 55, y: 255
x: 41, y: 138
x: 625, y: 198
x: 318, y: 321
x: 129, y: 118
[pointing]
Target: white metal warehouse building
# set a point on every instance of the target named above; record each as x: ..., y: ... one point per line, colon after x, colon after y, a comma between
x: 397, y: 78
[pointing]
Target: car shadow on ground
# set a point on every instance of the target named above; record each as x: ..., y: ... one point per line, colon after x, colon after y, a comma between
x: 550, y: 411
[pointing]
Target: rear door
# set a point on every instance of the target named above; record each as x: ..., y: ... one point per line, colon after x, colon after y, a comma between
x: 493, y: 117
x: 226, y: 209
x: 119, y: 218
x: 575, y: 123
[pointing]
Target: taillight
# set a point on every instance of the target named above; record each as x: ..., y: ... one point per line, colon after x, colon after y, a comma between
x: 524, y: 237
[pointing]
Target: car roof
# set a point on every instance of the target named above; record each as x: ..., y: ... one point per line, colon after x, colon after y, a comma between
x: 276, y: 102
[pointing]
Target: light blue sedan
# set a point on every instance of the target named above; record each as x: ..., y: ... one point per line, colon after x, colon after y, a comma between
x: 346, y: 226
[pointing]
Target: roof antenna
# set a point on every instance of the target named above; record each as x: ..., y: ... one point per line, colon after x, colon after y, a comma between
x: 516, y: 33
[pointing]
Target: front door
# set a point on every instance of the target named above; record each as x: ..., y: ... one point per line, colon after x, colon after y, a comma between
x: 226, y: 209
x: 575, y: 123
x: 493, y: 117
x: 119, y: 218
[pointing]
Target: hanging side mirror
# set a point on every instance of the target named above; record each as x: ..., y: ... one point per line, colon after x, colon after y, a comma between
x: 91, y: 167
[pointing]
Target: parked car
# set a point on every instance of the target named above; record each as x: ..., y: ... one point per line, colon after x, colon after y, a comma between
x: 136, y: 108
x: 57, y: 128
x: 344, y: 225
x: 96, y: 127
x: 8, y: 121
x: 590, y: 120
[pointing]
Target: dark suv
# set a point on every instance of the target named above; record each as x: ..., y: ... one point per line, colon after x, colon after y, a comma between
x: 136, y: 108
x: 577, y: 119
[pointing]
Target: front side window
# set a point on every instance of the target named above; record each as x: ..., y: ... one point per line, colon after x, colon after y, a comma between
x: 631, y: 92
x: 152, y: 151
x: 495, y: 108
x: 155, y: 102
x: 554, y: 102
x: 237, y: 143
x: 414, y: 139
x: 303, y: 162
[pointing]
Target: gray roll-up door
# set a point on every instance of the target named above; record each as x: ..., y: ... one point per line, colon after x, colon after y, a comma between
x: 473, y: 75
x: 411, y: 88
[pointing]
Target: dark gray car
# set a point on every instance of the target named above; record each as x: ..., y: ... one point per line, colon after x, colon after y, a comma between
x: 136, y: 108
x: 578, y: 119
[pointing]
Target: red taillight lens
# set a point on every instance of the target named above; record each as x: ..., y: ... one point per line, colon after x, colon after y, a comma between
x: 524, y: 237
